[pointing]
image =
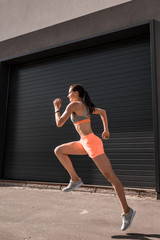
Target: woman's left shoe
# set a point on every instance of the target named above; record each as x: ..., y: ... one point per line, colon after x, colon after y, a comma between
x: 73, y: 185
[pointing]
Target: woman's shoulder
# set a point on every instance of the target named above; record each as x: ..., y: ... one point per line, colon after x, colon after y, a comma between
x: 78, y: 104
x: 98, y: 111
x: 78, y: 107
x: 73, y: 106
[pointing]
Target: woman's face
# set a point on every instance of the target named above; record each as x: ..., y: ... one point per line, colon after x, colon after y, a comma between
x: 72, y: 95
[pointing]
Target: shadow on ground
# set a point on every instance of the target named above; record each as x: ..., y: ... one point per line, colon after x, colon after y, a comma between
x: 139, y: 236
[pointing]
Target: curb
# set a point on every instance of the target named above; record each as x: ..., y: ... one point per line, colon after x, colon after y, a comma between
x: 138, y: 192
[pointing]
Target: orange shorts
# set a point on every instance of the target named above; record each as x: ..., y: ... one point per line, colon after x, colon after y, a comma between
x: 92, y: 144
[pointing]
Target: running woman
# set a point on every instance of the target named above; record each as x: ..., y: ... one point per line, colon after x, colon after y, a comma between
x: 79, y: 110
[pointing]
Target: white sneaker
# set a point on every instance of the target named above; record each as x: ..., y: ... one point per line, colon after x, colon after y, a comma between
x: 127, y: 219
x: 73, y: 185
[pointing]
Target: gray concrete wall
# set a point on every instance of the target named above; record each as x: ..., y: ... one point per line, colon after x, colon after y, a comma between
x: 18, y: 17
x: 123, y: 15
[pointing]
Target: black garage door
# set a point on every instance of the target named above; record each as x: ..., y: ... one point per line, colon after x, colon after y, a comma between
x: 118, y: 79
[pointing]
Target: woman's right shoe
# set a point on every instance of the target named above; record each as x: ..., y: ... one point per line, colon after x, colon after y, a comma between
x: 127, y: 219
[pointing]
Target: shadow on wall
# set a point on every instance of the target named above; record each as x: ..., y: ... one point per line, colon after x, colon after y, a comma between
x: 140, y: 236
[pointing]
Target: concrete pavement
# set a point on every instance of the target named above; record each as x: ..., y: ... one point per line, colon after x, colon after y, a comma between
x: 48, y: 214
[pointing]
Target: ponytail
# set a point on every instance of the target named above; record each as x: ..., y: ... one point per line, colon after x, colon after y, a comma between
x: 88, y: 102
x: 84, y: 95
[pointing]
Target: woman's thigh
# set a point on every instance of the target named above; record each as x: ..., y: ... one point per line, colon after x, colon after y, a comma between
x: 104, y: 165
x: 71, y: 148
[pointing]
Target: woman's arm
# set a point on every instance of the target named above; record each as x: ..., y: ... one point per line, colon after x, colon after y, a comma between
x: 60, y: 120
x: 104, y: 118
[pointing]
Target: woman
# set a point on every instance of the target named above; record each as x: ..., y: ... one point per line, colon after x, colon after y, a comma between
x: 79, y: 110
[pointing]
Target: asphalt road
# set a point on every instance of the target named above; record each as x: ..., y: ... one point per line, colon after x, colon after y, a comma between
x: 48, y: 214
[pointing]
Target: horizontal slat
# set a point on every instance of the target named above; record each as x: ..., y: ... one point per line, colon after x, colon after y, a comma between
x: 118, y: 78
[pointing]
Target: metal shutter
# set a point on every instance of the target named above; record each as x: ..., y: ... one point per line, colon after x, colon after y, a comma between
x: 118, y: 79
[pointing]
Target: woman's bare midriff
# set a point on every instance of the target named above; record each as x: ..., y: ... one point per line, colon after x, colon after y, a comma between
x: 84, y: 129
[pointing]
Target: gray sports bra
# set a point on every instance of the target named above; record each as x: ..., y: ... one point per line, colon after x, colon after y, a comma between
x: 80, y: 119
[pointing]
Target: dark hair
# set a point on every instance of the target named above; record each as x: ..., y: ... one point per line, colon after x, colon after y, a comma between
x: 83, y: 94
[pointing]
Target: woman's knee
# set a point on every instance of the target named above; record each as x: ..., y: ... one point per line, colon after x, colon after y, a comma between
x: 58, y: 150
x: 110, y: 176
x: 113, y: 179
